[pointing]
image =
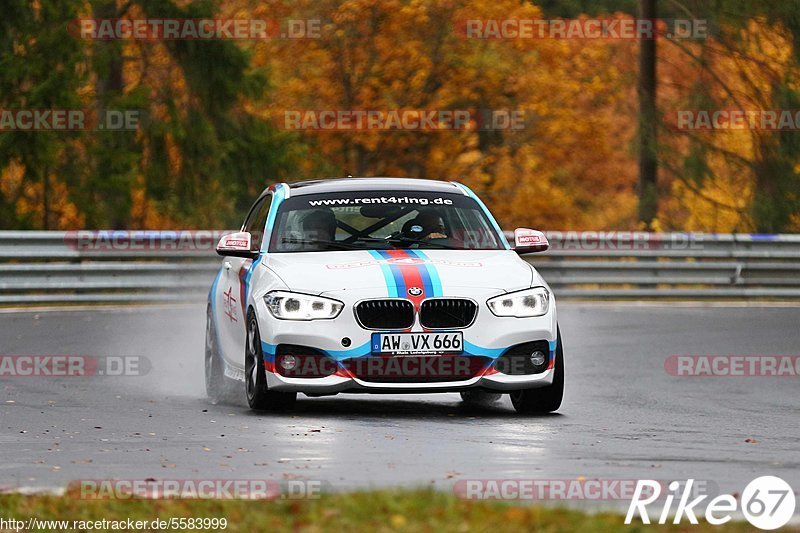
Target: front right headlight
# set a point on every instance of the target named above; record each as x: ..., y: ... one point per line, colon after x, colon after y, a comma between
x: 521, y: 304
x: 296, y: 306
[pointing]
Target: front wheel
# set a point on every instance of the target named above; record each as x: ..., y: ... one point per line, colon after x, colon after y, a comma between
x: 545, y: 399
x: 258, y: 396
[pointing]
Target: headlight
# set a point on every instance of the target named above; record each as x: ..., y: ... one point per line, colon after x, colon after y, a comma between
x: 295, y: 306
x: 521, y: 304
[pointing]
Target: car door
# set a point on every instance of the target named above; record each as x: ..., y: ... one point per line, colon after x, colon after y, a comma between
x: 230, y: 292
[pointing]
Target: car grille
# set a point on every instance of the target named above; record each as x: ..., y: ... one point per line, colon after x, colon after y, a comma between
x: 385, y: 314
x: 440, y: 313
x: 416, y: 369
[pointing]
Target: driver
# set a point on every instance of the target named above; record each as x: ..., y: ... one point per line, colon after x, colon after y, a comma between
x: 428, y: 224
x: 320, y: 225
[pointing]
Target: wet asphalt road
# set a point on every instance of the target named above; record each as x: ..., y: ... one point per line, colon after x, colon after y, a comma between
x: 624, y: 416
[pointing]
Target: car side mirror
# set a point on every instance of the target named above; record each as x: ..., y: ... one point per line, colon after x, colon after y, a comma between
x: 529, y: 241
x: 236, y: 245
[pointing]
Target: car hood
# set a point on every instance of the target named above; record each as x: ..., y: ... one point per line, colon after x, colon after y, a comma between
x: 449, y: 272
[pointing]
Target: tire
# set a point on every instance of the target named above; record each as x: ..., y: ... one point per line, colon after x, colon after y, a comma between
x: 544, y: 399
x: 480, y: 397
x: 218, y: 386
x: 255, y: 376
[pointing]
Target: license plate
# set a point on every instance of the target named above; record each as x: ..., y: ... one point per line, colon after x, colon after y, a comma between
x: 417, y: 343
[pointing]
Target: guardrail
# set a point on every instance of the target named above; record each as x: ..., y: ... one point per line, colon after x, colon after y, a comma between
x: 153, y: 266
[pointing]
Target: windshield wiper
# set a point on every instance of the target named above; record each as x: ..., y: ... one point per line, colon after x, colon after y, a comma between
x: 407, y: 240
x: 336, y: 244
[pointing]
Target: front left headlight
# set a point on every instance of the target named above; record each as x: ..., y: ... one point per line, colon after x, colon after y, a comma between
x: 295, y: 306
x: 521, y: 304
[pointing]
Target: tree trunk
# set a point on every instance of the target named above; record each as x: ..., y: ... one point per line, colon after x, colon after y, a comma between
x: 648, y: 121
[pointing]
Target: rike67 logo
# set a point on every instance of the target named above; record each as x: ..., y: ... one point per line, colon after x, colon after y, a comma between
x: 768, y: 503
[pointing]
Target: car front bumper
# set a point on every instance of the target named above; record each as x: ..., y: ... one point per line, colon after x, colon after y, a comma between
x: 343, y: 339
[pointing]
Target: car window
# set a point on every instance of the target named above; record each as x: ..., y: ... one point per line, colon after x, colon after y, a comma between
x: 382, y: 220
x: 257, y: 220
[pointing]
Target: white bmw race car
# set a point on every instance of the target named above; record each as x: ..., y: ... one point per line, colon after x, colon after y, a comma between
x: 381, y: 285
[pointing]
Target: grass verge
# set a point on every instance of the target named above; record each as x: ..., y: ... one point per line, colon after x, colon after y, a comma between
x: 401, y: 510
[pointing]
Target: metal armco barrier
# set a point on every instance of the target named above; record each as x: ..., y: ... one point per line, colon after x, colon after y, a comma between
x: 151, y: 266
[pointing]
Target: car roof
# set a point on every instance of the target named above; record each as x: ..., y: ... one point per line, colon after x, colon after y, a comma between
x: 334, y: 185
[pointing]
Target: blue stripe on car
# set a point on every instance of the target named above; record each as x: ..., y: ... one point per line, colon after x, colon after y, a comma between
x: 268, y: 351
x: 430, y: 275
x: 339, y: 355
x: 212, y: 300
x: 474, y: 349
x: 388, y: 277
x: 398, y: 281
x: 277, y: 198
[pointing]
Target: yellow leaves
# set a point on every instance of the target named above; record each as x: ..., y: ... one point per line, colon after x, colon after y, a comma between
x: 174, y: 156
x: 767, y: 43
x: 517, y: 515
x: 398, y: 521
x: 718, y: 206
x: 743, y: 77
x: 144, y: 212
x: 794, y: 225
x: 11, y: 178
x: 63, y: 214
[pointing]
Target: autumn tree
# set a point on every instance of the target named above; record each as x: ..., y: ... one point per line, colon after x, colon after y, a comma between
x: 734, y: 180
x: 411, y: 55
x: 198, y: 156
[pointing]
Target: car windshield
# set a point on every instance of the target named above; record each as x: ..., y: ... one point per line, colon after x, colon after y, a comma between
x: 382, y: 220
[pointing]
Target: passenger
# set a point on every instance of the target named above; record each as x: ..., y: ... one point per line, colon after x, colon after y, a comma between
x: 428, y: 224
x: 320, y: 225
